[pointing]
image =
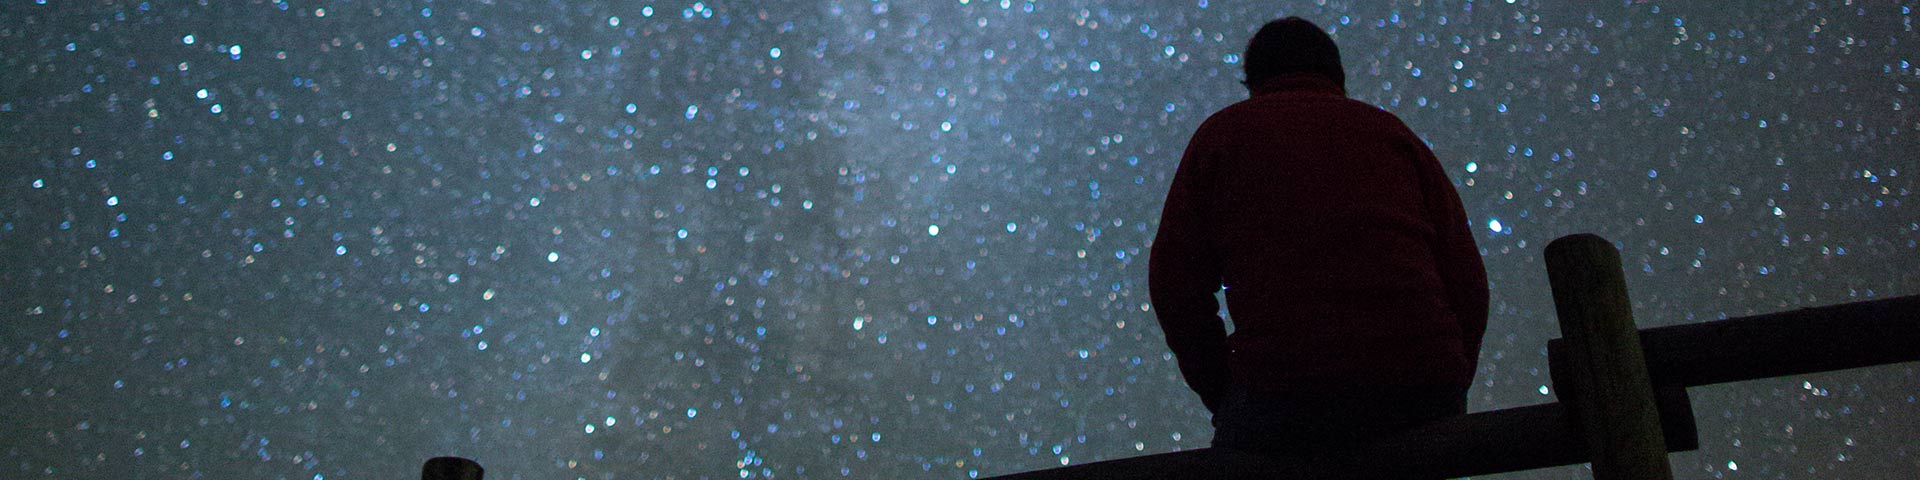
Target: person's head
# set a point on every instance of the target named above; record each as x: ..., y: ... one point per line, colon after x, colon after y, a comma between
x: 1288, y: 46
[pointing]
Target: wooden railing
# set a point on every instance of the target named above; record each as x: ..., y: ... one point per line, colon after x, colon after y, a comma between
x: 1624, y: 390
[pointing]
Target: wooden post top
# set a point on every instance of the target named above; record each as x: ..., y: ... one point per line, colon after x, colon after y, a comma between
x: 1609, y: 393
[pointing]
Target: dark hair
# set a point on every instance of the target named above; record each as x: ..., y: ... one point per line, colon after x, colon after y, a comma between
x: 1292, y: 45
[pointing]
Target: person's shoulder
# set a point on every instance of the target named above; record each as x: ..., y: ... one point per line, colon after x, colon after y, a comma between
x: 1240, y: 109
x: 1373, y: 114
x: 1262, y: 106
x: 1321, y: 103
x: 1225, y: 119
x: 1366, y: 110
x: 1320, y: 106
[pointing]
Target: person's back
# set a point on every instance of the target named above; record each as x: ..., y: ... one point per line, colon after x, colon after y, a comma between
x: 1351, y: 274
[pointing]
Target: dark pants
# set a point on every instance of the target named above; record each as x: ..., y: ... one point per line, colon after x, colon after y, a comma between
x: 1309, y: 424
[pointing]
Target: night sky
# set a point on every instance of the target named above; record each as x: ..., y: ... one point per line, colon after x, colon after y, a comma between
x: 816, y: 239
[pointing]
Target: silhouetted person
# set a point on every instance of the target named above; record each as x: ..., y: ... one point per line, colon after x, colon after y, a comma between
x: 1357, y: 294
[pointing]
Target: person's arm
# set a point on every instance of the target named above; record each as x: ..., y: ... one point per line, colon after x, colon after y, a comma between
x: 1455, y: 253
x: 1183, y: 273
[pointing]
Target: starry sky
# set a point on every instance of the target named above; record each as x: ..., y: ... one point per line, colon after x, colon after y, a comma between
x: 854, y: 238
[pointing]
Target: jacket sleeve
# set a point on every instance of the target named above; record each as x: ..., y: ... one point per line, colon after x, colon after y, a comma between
x: 1455, y: 253
x: 1184, y: 272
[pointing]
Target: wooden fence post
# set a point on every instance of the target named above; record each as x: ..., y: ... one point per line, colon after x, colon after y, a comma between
x: 1610, y: 394
x: 451, y: 468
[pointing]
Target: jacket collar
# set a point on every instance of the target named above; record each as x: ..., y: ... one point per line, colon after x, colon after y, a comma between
x: 1298, y: 82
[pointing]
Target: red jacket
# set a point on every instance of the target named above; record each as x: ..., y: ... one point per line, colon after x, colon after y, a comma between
x: 1345, y: 254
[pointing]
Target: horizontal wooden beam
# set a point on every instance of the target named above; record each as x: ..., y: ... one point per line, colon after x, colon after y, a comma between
x: 1797, y: 342
x: 1514, y: 439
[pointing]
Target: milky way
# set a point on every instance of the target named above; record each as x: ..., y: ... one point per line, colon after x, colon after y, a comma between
x: 849, y: 238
